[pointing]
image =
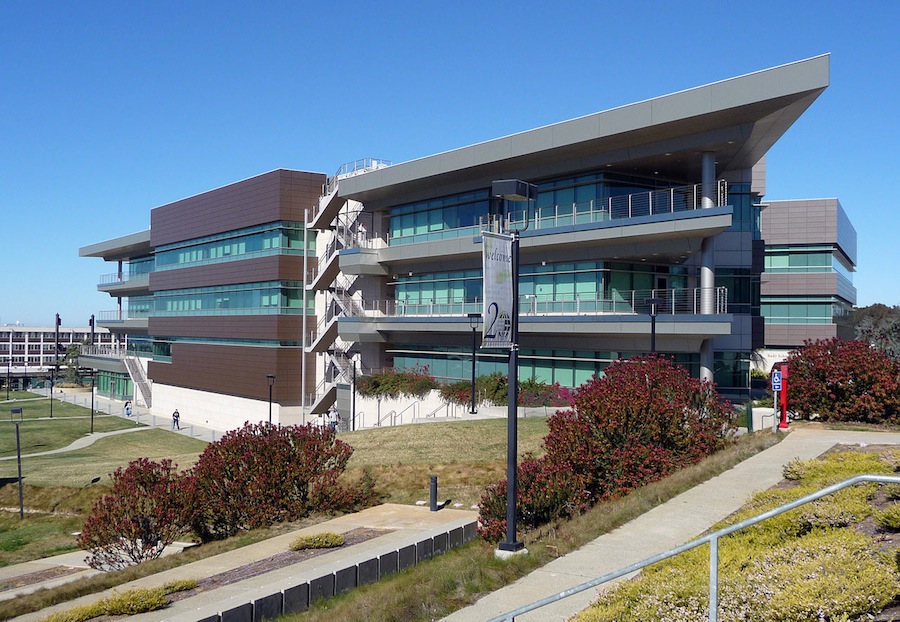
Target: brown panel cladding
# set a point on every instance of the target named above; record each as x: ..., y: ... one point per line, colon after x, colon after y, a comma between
x: 235, y: 370
x: 793, y: 335
x: 277, y: 195
x: 272, y: 327
x: 256, y: 270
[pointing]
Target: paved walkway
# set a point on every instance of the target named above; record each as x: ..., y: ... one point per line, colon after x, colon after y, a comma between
x: 79, y: 443
x: 669, y: 525
x: 407, y: 523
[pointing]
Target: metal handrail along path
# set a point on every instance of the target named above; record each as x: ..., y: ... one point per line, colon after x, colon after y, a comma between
x: 712, y: 539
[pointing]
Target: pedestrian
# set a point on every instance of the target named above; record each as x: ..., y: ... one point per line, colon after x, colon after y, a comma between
x: 127, y: 409
x: 176, y: 418
x: 333, y: 419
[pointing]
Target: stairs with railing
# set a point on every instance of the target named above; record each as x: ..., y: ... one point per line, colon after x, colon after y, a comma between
x: 139, y: 378
x: 341, y: 218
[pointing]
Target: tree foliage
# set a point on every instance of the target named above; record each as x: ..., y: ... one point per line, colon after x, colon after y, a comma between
x: 394, y: 383
x: 645, y: 418
x: 142, y: 514
x: 879, y: 325
x: 263, y: 473
x: 838, y: 380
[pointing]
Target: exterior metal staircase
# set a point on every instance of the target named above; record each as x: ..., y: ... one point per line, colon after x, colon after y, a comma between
x: 139, y: 378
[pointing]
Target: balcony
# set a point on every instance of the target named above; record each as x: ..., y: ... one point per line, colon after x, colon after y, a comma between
x: 117, y: 284
x: 621, y: 317
x: 666, y: 223
x: 131, y: 321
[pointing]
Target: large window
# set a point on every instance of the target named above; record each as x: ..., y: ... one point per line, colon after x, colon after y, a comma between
x: 267, y: 298
x: 280, y: 238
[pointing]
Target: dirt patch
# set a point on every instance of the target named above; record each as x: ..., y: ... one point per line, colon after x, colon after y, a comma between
x: 38, y: 577
x: 276, y: 562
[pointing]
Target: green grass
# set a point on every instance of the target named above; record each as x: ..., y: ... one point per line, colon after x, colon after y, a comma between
x: 38, y: 536
x: 466, y: 456
x: 78, y: 468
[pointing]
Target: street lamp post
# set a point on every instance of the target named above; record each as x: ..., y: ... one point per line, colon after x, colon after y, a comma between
x: 474, y: 321
x: 271, y: 379
x: 513, y: 190
x: 653, y: 302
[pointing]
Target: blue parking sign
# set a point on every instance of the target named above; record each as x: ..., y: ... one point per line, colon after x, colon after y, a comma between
x: 776, y: 380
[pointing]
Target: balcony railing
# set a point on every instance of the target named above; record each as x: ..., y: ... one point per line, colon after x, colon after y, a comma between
x: 117, y: 278
x: 349, y: 169
x: 672, y: 302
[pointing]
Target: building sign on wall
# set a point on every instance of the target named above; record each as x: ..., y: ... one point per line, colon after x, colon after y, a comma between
x: 498, y: 290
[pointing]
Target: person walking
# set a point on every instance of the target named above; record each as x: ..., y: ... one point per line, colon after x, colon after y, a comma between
x: 176, y: 420
x: 127, y: 409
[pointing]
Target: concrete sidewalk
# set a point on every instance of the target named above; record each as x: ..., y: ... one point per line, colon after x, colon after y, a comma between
x: 669, y: 525
x: 408, y: 526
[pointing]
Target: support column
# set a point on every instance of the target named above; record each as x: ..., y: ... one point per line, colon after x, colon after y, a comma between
x: 707, y: 261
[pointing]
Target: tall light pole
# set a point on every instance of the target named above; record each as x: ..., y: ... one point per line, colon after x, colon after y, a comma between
x: 513, y: 190
x: 653, y: 302
x: 271, y: 379
x: 55, y: 361
x: 474, y: 321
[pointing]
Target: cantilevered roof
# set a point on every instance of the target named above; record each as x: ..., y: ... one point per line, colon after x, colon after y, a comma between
x: 738, y: 119
x: 121, y: 248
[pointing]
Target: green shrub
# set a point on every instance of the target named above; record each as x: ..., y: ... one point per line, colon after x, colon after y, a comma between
x: 758, y: 374
x: 324, y: 540
x: 889, y: 518
x: 182, y: 585
x: 394, y: 383
x: 132, y: 602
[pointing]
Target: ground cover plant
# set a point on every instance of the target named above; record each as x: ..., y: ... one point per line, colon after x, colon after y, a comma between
x: 823, y: 561
x: 644, y: 419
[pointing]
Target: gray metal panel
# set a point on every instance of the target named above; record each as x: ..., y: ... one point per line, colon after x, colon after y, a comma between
x: 125, y: 247
x: 765, y: 102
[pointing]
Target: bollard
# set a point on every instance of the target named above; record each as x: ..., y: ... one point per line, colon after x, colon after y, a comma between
x: 434, y: 505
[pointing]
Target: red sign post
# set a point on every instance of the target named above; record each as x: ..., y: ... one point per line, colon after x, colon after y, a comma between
x: 783, y: 425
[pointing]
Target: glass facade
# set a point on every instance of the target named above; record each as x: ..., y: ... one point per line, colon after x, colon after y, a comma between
x: 564, y: 201
x: 267, y: 298
x: 280, y: 238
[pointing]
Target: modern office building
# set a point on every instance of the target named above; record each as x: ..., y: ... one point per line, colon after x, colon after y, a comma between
x: 211, y: 302
x: 807, y: 290
x: 658, y: 200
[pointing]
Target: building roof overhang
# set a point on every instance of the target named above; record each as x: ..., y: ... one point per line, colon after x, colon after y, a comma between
x: 121, y: 248
x: 738, y: 119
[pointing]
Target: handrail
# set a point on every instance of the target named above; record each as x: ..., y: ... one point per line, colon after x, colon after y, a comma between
x: 712, y: 539
x: 620, y: 302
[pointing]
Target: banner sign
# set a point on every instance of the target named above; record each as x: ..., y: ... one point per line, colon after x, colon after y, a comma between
x: 498, y: 290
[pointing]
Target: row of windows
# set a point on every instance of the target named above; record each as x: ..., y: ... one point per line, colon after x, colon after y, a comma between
x: 262, y: 240
x: 802, y: 261
x: 799, y: 312
x: 66, y: 337
x: 459, y: 215
x: 245, y: 299
x: 570, y: 368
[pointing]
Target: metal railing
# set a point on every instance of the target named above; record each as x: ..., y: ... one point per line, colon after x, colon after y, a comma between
x: 673, y: 301
x: 712, y: 539
x: 349, y: 169
x: 121, y: 277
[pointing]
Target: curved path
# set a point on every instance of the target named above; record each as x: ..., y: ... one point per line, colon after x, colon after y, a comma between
x: 80, y: 443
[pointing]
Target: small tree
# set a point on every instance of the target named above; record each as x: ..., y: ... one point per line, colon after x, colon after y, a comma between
x: 142, y: 514
x: 840, y: 380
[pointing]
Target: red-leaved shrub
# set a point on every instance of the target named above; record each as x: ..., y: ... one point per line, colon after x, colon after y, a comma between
x: 142, y: 514
x: 262, y: 473
x: 840, y: 380
x: 644, y: 419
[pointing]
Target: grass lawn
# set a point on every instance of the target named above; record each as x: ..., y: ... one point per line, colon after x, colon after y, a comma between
x: 466, y: 456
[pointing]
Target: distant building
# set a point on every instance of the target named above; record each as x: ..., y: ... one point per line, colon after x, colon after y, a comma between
x: 806, y: 290
x: 655, y: 200
x: 30, y: 353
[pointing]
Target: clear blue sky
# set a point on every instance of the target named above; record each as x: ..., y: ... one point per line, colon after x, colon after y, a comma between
x: 108, y: 109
